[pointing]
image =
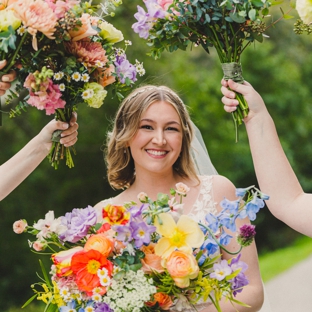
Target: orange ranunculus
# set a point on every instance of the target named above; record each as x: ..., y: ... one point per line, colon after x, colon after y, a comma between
x: 115, y: 215
x: 85, y: 266
x: 151, y: 262
x: 62, y: 261
x: 162, y: 299
x: 85, y: 30
x: 101, y: 243
x: 104, y: 76
x: 182, y: 267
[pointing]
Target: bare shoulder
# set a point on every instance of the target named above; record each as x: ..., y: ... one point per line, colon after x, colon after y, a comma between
x: 223, y: 188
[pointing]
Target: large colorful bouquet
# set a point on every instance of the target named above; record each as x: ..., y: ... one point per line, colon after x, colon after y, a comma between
x: 145, y: 257
x: 229, y: 26
x: 64, y: 54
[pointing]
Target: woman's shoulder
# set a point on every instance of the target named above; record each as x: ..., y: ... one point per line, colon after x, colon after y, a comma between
x: 221, y: 186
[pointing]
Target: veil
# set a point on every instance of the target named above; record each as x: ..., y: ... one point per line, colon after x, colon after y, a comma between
x: 200, y: 154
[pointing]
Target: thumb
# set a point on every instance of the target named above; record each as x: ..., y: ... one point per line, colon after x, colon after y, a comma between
x: 238, y: 87
x: 3, y: 63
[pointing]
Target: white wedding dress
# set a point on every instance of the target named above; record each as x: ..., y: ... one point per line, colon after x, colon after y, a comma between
x: 203, y: 205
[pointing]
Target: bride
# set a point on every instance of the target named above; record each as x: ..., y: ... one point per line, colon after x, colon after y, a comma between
x: 149, y: 150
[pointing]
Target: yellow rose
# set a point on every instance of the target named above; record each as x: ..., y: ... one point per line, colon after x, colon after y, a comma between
x: 109, y: 32
x: 182, y: 267
x: 7, y: 18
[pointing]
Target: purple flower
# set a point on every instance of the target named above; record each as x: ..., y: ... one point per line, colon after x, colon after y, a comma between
x: 240, y: 280
x: 142, y: 233
x: 136, y: 211
x: 124, y: 233
x: 154, y: 10
x: 246, y: 234
x: 78, y: 223
x: 102, y: 307
x: 124, y: 69
x: 142, y: 26
x: 221, y: 270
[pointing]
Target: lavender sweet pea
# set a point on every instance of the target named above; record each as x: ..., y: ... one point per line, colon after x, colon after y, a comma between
x: 78, y: 223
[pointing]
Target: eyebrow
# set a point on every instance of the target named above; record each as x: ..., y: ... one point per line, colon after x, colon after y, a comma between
x: 167, y: 123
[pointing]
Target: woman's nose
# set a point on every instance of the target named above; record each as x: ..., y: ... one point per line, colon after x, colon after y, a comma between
x: 159, y: 138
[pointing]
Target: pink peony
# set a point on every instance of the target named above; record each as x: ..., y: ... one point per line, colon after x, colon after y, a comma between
x: 85, y: 30
x: 36, y: 15
x: 48, y: 97
x: 87, y: 52
x: 60, y: 7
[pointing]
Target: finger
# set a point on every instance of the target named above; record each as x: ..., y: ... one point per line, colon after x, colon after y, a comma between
x: 230, y: 109
x: 224, y: 82
x: 70, y: 130
x: 3, y: 63
x: 9, y: 77
x: 73, y: 118
x: 70, y: 139
x: 228, y: 93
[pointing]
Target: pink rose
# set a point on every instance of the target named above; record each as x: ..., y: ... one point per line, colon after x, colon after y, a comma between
x: 38, y: 246
x: 182, y: 267
x: 19, y: 226
x: 85, y: 30
x: 181, y: 188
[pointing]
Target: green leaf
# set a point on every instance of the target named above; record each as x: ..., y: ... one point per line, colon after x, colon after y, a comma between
x: 29, y: 301
x: 252, y: 14
x: 45, y: 275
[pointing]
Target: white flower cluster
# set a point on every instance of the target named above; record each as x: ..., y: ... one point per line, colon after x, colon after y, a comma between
x: 130, y: 292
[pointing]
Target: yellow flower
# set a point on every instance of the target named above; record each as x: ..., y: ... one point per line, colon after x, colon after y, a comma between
x: 7, y: 18
x: 98, y: 94
x: 304, y: 8
x: 109, y: 32
x: 184, y: 235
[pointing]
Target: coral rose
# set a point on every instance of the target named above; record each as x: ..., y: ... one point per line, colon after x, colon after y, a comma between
x: 182, y: 267
x: 164, y: 301
x: 101, y: 243
x: 104, y: 76
x: 151, y: 262
x: 85, y: 30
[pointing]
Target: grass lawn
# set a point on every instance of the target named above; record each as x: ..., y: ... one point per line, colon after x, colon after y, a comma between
x: 276, y: 262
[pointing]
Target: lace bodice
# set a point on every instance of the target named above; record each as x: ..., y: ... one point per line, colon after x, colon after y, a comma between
x: 204, y: 204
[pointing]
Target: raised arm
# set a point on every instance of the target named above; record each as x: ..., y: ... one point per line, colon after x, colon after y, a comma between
x: 17, y: 168
x: 288, y: 202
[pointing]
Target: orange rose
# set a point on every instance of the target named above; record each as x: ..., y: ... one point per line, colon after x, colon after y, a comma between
x: 101, y: 243
x: 115, y: 214
x: 182, y: 267
x: 104, y: 76
x: 151, y: 262
x: 83, y: 31
x: 162, y: 299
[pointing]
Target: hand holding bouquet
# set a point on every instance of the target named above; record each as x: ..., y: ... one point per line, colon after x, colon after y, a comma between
x: 145, y: 257
x: 64, y: 54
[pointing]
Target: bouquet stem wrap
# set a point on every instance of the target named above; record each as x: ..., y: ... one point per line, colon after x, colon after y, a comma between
x: 234, y: 71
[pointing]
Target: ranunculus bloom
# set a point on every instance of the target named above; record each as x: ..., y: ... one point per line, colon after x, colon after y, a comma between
x: 181, y: 188
x: 19, y: 226
x: 162, y: 299
x: 36, y: 15
x: 7, y: 18
x: 115, y: 215
x: 85, y: 30
x: 109, y: 32
x: 85, y: 265
x: 62, y: 261
x: 101, y: 243
x: 87, y: 52
x: 104, y: 76
x: 184, y: 235
x: 151, y: 262
x: 182, y: 267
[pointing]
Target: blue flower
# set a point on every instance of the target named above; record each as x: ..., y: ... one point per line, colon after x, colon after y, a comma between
x: 210, y: 245
x: 230, y: 205
x: 70, y: 307
x: 253, y: 207
x: 212, y: 222
x: 225, y: 238
x: 228, y: 221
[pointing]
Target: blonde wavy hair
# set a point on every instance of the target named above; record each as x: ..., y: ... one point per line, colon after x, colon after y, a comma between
x: 119, y: 161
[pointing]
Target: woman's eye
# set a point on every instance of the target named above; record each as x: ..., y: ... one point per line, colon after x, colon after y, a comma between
x: 172, y: 129
x: 146, y: 127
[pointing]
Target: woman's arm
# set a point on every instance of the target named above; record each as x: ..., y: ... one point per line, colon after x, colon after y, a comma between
x: 252, y: 294
x: 17, y: 168
x: 287, y: 202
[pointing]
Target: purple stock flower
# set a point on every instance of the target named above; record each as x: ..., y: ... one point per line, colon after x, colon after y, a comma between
x: 78, y: 223
x: 246, y: 234
x: 154, y: 10
x: 124, y: 233
x: 240, y: 280
x: 102, y: 307
x: 124, y: 69
x: 141, y: 233
x: 142, y: 26
x: 221, y: 270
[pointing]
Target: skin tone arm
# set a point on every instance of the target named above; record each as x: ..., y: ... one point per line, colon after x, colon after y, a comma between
x: 17, y: 168
x: 252, y: 294
x: 288, y: 202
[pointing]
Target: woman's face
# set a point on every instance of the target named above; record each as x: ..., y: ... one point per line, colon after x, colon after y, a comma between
x: 158, y: 141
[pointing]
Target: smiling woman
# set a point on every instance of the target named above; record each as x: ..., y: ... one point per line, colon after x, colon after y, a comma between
x: 149, y: 150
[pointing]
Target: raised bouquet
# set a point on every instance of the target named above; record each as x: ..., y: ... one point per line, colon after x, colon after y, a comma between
x: 64, y: 54
x: 229, y: 26
x: 145, y: 257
